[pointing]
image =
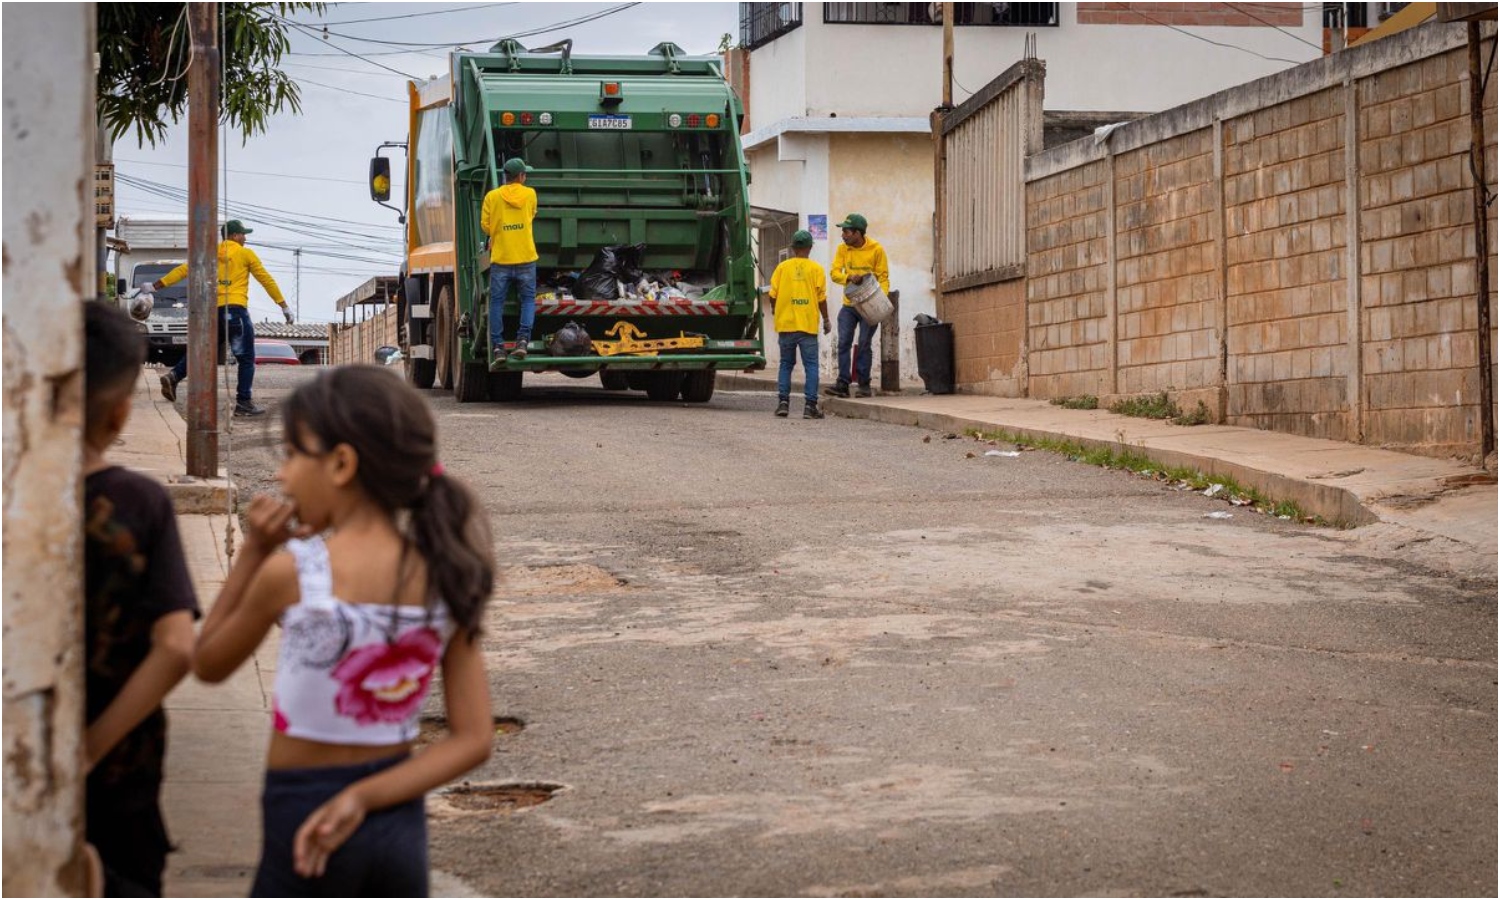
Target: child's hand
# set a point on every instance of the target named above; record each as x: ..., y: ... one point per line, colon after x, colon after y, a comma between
x: 268, y: 524
x: 324, y: 832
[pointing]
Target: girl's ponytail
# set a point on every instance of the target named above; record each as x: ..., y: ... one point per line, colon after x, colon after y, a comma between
x: 448, y: 528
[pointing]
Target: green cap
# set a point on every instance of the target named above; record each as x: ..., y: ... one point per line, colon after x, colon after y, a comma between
x: 802, y: 238
x: 516, y: 165
x: 235, y: 226
x: 855, y: 221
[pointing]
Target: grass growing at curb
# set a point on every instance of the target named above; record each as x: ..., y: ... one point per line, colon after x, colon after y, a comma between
x: 1086, y: 401
x: 1140, y: 464
x: 1157, y: 406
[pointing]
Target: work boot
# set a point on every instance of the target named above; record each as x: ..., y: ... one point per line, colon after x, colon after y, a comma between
x: 248, y: 410
x: 520, y: 349
x: 810, y: 411
x: 783, y: 407
x: 863, y: 391
x: 169, y: 388
x: 840, y: 389
x: 498, y: 352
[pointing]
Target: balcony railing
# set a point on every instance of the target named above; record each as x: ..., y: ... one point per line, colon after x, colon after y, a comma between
x: 1020, y: 15
x: 762, y: 23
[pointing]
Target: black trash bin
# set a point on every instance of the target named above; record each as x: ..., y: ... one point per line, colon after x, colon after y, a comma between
x: 935, y: 357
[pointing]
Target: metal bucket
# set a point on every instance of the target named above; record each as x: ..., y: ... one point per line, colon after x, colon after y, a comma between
x: 869, y: 300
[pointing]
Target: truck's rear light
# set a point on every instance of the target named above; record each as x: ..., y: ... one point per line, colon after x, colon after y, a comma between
x: 611, y: 89
x: 694, y: 120
x: 507, y: 118
x: 674, y: 120
x: 545, y: 118
x: 712, y: 121
x: 525, y: 118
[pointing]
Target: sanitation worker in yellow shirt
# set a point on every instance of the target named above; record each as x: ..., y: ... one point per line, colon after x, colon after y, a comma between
x: 506, y: 220
x: 799, y: 295
x: 856, y: 258
x: 236, y: 264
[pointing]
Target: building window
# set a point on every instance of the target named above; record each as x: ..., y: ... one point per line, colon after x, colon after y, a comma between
x: 1029, y: 15
x: 1355, y: 15
x: 762, y: 23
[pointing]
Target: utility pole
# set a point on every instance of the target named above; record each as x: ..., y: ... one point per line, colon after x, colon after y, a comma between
x: 203, y: 264
x: 297, y: 285
x: 947, y: 56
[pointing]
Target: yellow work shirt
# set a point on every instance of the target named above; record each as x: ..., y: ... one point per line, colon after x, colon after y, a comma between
x: 866, y: 260
x: 798, y: 286
x: 506, y: 217
x: 236, y: 265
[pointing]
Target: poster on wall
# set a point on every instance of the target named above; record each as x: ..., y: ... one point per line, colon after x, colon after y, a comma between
x: 818, y: 225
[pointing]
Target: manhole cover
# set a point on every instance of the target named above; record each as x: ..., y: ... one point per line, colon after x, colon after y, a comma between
x: 499, y: 797
x: 435, y: 728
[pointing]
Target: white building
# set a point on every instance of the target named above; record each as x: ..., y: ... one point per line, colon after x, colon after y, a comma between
x: 840, y: 97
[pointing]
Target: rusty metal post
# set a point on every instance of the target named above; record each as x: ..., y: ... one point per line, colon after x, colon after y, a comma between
x: 890, y: 348
x: 947, y: 55
x: 1481, y: 246
x: 203, y: 221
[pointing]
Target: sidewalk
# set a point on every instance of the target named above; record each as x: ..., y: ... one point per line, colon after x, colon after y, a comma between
x: 1347, y: 484
x: 218, y: 733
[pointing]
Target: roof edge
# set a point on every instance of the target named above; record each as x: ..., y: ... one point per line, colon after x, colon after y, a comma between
x: 836, y: 125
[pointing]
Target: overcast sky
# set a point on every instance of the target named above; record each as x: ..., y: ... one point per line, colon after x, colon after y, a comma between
x: 307, y: 171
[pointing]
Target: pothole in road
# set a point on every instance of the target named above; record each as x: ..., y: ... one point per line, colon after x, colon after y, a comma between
x: 435, y: 727
x: 498, y: 798
x: 559, y: 579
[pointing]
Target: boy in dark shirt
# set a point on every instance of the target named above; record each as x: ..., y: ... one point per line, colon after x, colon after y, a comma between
x: 139, y: 608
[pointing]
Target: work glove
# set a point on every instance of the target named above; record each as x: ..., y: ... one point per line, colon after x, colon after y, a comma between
x: 287, y: 313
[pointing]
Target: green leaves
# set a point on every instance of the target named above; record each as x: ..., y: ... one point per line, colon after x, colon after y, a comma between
x: 144, y: 50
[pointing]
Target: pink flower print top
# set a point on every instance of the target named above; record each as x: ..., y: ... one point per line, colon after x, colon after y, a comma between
x: 352, y: 673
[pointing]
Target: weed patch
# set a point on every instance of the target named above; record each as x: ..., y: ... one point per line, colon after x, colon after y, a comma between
x: 1151, y: 406
x: 1180, y: 477
x: 1199, y: 416
x: 1085, y: 401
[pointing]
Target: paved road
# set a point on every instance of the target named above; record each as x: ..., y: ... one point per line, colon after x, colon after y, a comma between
x: 775, y: 657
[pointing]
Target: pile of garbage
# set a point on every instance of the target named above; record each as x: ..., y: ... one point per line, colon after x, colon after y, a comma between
x: 616, y: 275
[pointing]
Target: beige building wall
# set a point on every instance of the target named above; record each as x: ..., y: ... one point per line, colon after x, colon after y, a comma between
x: 49, y: 270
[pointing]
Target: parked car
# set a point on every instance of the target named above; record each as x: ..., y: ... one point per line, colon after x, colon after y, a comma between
x: 275, y: 353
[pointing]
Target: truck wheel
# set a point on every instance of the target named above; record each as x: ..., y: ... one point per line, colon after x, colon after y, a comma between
x: 698, y: 386
x: 664, y: 386
x: 504, y: 387
x: 445, y: 339
x: 614, y: 381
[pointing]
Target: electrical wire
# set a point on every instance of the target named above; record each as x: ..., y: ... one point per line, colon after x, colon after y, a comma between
x: 348, y: 91
x: 436, y: 12
x: 1237, y: 7
x: 438, y: 45
x: 306, y: 30
x: 1216, y: 43
x: 142, y: 162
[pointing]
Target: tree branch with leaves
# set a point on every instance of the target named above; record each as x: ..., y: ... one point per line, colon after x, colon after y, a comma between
x: 144, y: 52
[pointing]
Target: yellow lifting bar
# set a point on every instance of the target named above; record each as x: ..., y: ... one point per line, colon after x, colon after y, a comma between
x: 630, y: 341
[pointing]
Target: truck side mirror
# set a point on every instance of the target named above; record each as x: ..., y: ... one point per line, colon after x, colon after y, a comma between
x: 380, y: 179
x: 120, y: 287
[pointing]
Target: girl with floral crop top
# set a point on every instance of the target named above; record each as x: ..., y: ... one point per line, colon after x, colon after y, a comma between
x: 384, y: 583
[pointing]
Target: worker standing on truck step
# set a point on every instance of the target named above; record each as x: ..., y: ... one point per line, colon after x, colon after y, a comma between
x: 799, y: 296
x: 236, y: 264
x: 506, y: 220
x: 857, y: 257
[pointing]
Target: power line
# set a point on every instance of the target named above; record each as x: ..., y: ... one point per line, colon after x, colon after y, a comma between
x: 347, y: 91
x: 437, y: 45
x: 365, y: 72
x: 1216, y: 43
x: 142, y: 162
x: 436, y: 12
x: 306, y: 30
x: 1317, y: 47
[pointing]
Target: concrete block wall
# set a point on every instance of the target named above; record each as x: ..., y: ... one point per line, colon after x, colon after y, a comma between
x: 989, y: 325
x: 1287, y: 298
x: 357, y: 343
x: 1421, y: 349
x: 1067, y: 225
x: 1167, y: 310
x: 1300, y: 249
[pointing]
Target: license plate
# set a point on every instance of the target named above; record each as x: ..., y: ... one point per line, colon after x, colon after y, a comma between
x: 179, y: 339
x: 610, y: 123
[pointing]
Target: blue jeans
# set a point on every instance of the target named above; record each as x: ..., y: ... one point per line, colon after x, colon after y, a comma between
x: 241, y: 344
x: 792, y: 342
x: 501, y: 278
x: 849, y: 320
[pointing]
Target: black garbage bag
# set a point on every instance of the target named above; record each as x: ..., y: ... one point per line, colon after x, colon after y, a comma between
x: 621, y: 262
x: 570, y: 340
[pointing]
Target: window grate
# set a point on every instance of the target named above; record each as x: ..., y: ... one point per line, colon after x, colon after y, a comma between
x: 762, y: 23
x: 1024, y: 15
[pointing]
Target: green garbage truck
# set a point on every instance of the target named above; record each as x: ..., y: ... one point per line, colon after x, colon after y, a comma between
x: 646, y: 277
